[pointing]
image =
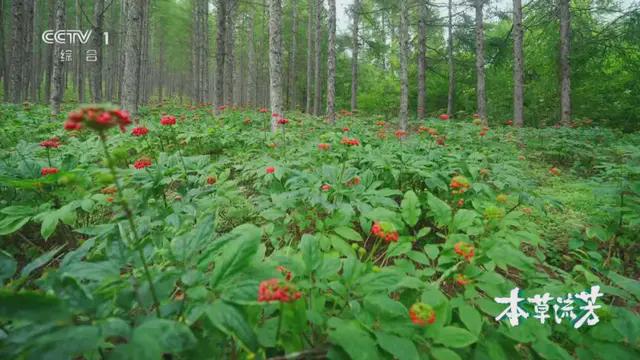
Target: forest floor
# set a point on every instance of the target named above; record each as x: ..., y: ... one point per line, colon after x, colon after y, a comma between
x: 374, y: 234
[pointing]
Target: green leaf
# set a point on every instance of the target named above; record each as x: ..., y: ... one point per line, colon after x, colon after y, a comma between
x: 441, y: 210
x: 454, y: 337
x: 311, y: 254
x: 401, y: 348
x: 19, y: 211
x: 398, y: 249
x: 157, y: 336
x: 550, y: 350
x: 410, y: 208
x: 470, y: 318
x: 231, y: 322
x: 237, y: 254
x: 31, y: 306
x: 383, y: 305
x: 341, y: 246
x: 8, y: 266
x: 630, y: 285
x: 40, y: 261
x: 49, y: 224
x: 444, y: 354
x: 348, y: 233
x: 463, y: 220
x: 353, y: 339
x: 12, y: 224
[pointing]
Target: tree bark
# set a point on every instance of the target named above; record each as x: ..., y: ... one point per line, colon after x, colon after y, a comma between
x: 230, y: 52
x: 57, y: 86
x: 275, y: 61
x: 518, y: 65
x: 565, y: 65
x: 15, y: 71
x: 404, y: 56
x: 49, y: 54
x: 452, y: 75
x: 318, y: 54
x: 132, y: 52
x: 331, y: 64
x: 252, y: 78
x: 3, y: 72
x: 422, y: 59
x: 481, y: 94
x: 355, y: 32
x: 292, y: 55
x: 98, y: 18
x: 310, y: 59
x: 220, y: 52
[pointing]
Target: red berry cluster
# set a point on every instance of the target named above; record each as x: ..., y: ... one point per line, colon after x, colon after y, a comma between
x: 467, y: 251
x: 422, y: 314
x: 271, y: 170
x: 288, y: 275
x: 139, y: 131
x: 168, y: 120
x: 350, y: 142
x: 384, y: 232
x: 211, y: 180
x: 277, y: 290
x: 380, y: 123
x: 353, y: 182
x: 142, y: 163
x: 54, y: 142
x: 325, y: 187
x: 444, y: 117
x: 48, y: 171
x: 462, y: 280
x: 459, y: 185
x: 400, y: 134
x: 484, y: 130
x: 97, y: 118
x: 324, y: 147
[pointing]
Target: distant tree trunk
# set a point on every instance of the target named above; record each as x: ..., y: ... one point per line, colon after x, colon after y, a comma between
x: 143, y: 67
x: 318, y: 54
x: 252, y: 78
x: 124, y: 11
x: 422, y: 59
x: 292, y: 56
x: 518, y: 65
x: 78, y: 64
x: 229, y: 52
x: 331, y: 64
x: 57, y: 86
x: 452, y: 75
x: 565, y: 65
x: 3, y: 71
x: 354, y: 56
x: 275, y: 60
x: 310, y: 59
x: 404, y: 72
x: 220, y: 52
x: 481, y: 94
x: 15, y: 70
x: 132, y: 52
x: 205, y: 51
x: 34, y: 55
x: 27, y: 57
x: 98, y: 18
x: 48, y: 81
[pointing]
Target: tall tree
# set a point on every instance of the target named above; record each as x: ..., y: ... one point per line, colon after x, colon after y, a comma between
x: 331, y: 64
x: 518, y: 65
x: 3, y: 71
x: 565, y: 65
x: 15, y: 71
x: 452, y: 75
x: 229, y: 60
x: 310, y: 59
x: 220, y: 52
x: 132, y: 51
x: 98, y: 12
x: 355, y: 33
x: 317, y: 64
x: 292, y: 54
x: 481, y: 94
x: 57, y: 86
x: 49, y: 54
x: 252, y: 77
x: 404, y: 57
x: 275, y: 61
x: 422, y: 58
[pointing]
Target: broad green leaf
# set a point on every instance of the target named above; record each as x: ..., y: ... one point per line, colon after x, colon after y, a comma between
x: 353, y: 339
x: 401, y: 348
x: 470, y: 318
x: 383, y: 305
x: 40, y: 261
x: 550, y: 350
x: 462, y: 220
x: 454, y: 337
x: 444, y: 354
x: 311, y: 254
x: 31, y: 306
x: 12, y: 224
x: 441, y: 210
x: 157, y: 336
x: 341, y: 246
x: 630, y: 285
x: 233, y: 323
x: 398, y: 249
x: 410, y: 208
x: 237, y: 254
x: 348, y: 233
x: 49, y: 224
x: 8, y: 266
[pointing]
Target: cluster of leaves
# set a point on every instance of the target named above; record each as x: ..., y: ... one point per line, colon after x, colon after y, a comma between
x: 211, y: 223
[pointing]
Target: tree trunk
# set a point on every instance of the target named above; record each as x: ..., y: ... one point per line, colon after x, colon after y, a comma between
x: 79, y: 82
x: 124, y: 11
x: 27, y: 57
x: 132, y: 52
x: 275, y: 60
x: 354, y: 56
x: 292, y: 55
x: 404, y: 56
x: 220, y: 52
x: 98, y: 18
x: 15, y: 70
x: 48, y: 81
x: 57, y: 86
x: 230, y: 52
x: 310, y: 60
x: 452, y: 76
x: 252, y: 78
x: 565, y: 65
x: 331, y: 65
x: 318, y: 54
x: 481, y: 94
x: 3, y: 71
x: 518, y: 65
x: 422, y: 59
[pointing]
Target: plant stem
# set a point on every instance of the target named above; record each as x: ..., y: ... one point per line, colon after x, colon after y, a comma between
x: 132, y: 225
x: 279, y: 322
